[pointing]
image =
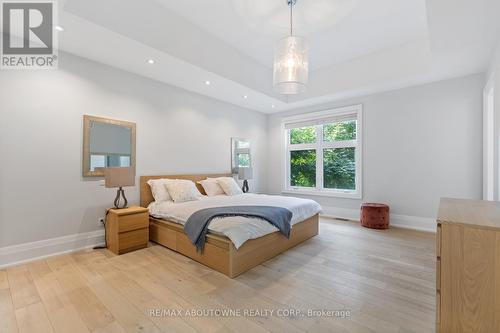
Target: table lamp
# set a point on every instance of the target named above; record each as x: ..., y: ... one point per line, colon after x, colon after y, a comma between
x: 245, y: 174
x: 119, y: 177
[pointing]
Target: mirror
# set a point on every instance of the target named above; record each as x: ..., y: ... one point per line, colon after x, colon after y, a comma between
x: 107, y: 143
x: 240, y: 154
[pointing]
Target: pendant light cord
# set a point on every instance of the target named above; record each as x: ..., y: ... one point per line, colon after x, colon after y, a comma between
x: 291, y: 17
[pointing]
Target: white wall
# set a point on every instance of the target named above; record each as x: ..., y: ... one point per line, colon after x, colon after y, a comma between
x: 420, y: 144
x: 42, y: 192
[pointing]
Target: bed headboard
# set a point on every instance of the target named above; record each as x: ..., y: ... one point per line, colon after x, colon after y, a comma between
x: 147, y: 196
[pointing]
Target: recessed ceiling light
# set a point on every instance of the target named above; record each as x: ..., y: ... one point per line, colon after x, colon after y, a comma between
x: 59, y: 28
x: 273, y: 106
x: 151, y: 61
x: 207, y: 82
x: 245, y: 97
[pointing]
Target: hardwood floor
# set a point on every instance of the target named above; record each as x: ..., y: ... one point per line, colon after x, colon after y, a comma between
x: 385, y: 279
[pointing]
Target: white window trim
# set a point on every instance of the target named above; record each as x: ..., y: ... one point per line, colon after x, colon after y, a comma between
x: 319, y: 146
x: 491, y: 182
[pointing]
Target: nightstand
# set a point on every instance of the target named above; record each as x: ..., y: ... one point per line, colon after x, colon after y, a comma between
x: 127, y: 229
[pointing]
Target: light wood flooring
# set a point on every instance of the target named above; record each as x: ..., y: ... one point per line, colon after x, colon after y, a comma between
x: 386, y: 279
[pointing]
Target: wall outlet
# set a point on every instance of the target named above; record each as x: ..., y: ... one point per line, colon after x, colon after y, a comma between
x: 100, y: 221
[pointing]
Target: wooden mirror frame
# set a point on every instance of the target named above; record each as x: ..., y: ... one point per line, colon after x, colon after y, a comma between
x: 86, y: 142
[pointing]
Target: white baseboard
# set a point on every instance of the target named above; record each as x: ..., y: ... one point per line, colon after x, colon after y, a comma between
x: 402, y: 221
x: 414, y: 222
x: 22, y: 253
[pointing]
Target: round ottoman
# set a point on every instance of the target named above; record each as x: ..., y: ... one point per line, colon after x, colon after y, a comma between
x: 375, y: 215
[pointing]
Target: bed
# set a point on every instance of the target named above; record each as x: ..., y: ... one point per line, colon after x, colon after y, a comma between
x: 220, y: 252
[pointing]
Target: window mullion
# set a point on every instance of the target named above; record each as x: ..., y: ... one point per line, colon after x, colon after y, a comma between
x: 288, y: 169
x: 340, y: 144
x: 303, y: 146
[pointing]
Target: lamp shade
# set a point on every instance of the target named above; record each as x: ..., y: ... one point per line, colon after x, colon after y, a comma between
x: 119, y: 177
x: 245, y: 173
x: 291, y: 65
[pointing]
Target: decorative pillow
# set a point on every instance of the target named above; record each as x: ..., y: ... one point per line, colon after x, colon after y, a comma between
x: 159, y: 190
x: 211, y: 187
x: 182, y: 190
x: 229, y: 185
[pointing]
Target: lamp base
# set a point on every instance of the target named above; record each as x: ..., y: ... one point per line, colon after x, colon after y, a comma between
x: 120, y: 193
x: 245, y: 186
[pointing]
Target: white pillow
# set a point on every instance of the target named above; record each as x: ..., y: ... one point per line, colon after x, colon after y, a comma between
x: 211, y: 187
x: 159, y: 190
x: 229, y: 185
x: 182, y: 190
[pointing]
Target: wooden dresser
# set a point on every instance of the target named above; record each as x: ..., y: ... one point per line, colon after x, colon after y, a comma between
x: 468, y: 266
x: 127, y: 229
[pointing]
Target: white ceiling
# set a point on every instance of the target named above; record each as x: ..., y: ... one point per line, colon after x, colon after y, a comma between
x: 356, y: 46
x: 337, y: 30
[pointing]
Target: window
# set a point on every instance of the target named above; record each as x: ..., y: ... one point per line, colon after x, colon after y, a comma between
x: 323, y: 153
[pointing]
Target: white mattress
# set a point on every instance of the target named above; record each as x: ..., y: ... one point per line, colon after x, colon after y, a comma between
x: 237, y: 229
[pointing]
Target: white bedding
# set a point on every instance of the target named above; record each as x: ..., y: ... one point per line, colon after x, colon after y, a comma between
x: 237, y: 229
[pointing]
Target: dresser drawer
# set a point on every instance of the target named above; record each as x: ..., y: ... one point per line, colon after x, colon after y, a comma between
x: 438, y: 274
x: 438, y: 308
x: 133, y: 222
x: 133, y: 240
x: 438, y: 240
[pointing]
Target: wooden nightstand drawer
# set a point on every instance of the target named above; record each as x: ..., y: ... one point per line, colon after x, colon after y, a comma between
x: 127, y: 229
x: 133, y: 222
x: 133, y: 240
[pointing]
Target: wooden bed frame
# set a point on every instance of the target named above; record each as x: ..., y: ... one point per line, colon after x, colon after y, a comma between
x: 219, y: 252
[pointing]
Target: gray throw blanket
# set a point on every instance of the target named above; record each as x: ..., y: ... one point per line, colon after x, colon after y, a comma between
x: 196, y: 226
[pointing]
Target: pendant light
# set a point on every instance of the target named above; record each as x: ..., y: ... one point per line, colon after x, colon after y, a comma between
x: 291, y: 61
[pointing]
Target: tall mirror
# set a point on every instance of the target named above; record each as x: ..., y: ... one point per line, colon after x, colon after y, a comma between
x: 107, y: 143
x: 241, y: 156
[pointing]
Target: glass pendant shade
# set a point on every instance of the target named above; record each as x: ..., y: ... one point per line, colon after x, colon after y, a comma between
x: 291, y: 65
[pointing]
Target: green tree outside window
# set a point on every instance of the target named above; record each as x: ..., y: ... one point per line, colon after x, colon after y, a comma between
x: 339, y: 165
x: 345, y: 130
x: 303, y: 168
x: 303, y: 135
x: 339, y: 168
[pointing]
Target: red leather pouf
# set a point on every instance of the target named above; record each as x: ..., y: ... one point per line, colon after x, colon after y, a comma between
x: 375, y: 215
